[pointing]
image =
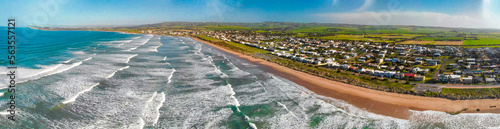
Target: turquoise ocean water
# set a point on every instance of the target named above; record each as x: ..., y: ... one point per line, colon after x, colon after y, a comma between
x: 86, y: 79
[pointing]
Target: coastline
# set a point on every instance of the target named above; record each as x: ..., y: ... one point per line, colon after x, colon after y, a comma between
x: 379, y: 102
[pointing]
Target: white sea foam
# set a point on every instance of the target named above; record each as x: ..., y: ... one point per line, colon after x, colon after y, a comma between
x: 131, y: 49
x: 87, y: 59
x: 463, y: 120
x: 284, y: 107
x: 151, y: 112
x: 72, y: 99
x: 33, y: 74
x: 128, y: 59
x: 112, y: 74
x: 156, y: 48
x: 171, y: 75
x: 67, y: 61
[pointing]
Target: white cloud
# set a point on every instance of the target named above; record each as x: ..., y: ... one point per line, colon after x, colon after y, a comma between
x: 408, y: 18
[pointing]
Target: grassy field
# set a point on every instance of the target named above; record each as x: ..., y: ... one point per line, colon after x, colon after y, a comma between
x: 387, y: 38
x: 433, y: 42
x: 365, y: 30
x: 440, y: 39
x: 483, y: 41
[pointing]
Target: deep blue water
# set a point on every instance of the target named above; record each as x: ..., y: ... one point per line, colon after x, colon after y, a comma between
x: 37, y: 47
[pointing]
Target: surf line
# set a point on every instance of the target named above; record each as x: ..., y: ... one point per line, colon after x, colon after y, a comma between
x: 12, y: 68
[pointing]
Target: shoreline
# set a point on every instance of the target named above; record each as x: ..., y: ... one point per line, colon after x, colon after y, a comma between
x: 379, y: 102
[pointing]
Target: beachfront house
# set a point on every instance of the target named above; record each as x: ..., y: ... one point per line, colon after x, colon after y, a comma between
x: 361, y: 70
x: 467, y: 80
x: 399, y: 76
x: 455, y: 78
x: 369, y: 71
x: 443, y: 78
x: 478, y: 79
x: 389, y: 74
x: 344, y: 66
x: 490, y: 80
x: 378, y: 73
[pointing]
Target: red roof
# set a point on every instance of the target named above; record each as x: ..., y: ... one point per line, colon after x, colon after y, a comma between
x: 410, y: 74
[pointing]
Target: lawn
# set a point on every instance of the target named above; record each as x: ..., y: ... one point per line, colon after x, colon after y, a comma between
x: 361, y: 38
x: 324, y: 30
x: 491, y: 40
x: 433, y: 42
x: 440, y: 39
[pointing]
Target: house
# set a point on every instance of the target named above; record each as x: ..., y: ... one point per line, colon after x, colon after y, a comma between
x: 453, y: 66
x: 353, y: 68
x: 455, y: 78
x: 389, y: 74
x: 344, y: 66
x: 353, y: 54
x: 443, y: 78
x: 467, y: 80
x: 410, y: 76
x: 361, y: 70
x: 418, y: 62
x: 415, y: 70
x: 478, y: 79
x: 369, y: 71
x: 399, y: 75
x: 490, y: 80
x: 467, y: 72
x: 399, y: 68
x: 419, y: 78
x: 378, y: 73
x: 379, y: 60
x: 432, y: 63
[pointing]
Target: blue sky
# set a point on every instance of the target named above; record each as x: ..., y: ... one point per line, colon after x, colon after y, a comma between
x: 447, y: 13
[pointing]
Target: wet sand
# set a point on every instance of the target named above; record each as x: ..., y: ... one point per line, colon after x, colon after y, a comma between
x: 380, y: 102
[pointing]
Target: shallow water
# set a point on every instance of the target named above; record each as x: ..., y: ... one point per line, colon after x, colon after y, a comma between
x: 119, y: 80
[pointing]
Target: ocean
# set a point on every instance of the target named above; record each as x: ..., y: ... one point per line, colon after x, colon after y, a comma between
x: 89, y: 79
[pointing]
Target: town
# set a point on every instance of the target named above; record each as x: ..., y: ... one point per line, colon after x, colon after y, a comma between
x: 417, y: 63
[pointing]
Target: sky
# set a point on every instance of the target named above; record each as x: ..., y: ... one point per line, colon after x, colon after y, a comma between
x: 444, y: 13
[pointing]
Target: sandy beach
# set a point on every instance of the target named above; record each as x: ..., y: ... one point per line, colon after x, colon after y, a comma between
x: 380, y: 102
